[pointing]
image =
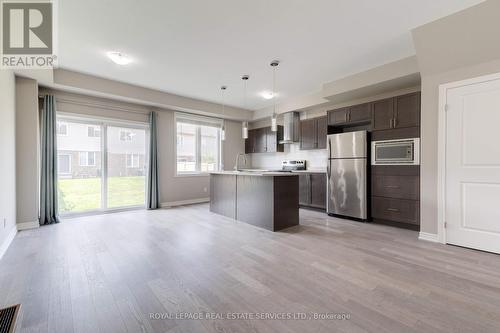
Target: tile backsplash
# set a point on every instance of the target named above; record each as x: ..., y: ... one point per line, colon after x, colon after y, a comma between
x: 315, y: 159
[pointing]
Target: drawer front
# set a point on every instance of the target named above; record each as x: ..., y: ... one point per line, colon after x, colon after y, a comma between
x: 397, y: 187
x: 396, y: 210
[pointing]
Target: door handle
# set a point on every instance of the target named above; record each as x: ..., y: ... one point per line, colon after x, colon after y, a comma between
x: 392, y: 210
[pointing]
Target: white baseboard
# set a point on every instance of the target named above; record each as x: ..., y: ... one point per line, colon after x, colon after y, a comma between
x: 8, y: 240
x: 28, y: 225
x: 428, y: 237
x: 183, y: 202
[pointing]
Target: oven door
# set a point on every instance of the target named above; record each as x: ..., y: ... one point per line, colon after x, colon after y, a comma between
x: 395, y: 152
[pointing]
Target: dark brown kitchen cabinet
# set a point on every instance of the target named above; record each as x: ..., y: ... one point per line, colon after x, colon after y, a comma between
x: 263, y: 140
x: 396, y: 210
x: 304, y: 189
x: 383, y: 114
x: 318, y: 190
x: 308, y: 130
x: 250, y: 142
x: 395, y: 191
x: 313, y: 133
x: 356, y: 114
x: 398, y: 112
x: 312, y: 190
x: 360, y: 113
x: 322, y: 132
x: 407, y: 110
x: 338, y: 117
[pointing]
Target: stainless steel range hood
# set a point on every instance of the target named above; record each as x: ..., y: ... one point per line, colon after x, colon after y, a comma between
x: 291, y: 123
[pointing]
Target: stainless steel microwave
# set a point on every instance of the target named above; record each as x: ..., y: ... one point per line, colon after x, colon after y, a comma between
x: 396, y: 152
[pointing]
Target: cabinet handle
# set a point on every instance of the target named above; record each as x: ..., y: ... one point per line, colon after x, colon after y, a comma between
x: 395, y: 122
x: 392, y: 209
x: 392, y: 186
x: 345, y: 117
x: 349, y: 115
x: 390, y: 123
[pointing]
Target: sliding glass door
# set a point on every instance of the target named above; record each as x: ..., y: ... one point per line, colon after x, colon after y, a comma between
x: 126, y: 166
x: 101, y: 165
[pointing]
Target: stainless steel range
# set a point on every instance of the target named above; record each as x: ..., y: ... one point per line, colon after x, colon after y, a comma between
x: 293, y: 165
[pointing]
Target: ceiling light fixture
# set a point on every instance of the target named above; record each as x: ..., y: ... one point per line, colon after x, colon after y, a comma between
x: 274, y: 117
x: 244, y: 125
x: 223, y: 128
x: 267, y: 95
x: 119, y: 58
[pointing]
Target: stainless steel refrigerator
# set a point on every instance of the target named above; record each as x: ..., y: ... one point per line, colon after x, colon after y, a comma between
x: 347, y: 175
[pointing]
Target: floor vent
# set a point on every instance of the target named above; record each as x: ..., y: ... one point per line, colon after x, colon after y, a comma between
x: 8, y: 318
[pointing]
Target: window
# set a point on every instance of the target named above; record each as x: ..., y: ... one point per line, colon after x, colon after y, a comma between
x: 87, y: 158
x: 132, y: 160
x: 126, y: 135
x: 93, y: 131
x: 97, y: 170
x: 62, y: 129
x: 64, y: 164
x: 198, y: 144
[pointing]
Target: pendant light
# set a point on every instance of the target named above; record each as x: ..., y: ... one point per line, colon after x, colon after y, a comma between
x: 274, y: 117
x: 223, y: 128
x: 244, y: 125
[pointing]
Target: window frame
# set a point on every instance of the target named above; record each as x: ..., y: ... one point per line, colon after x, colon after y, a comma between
x: 198, y: 121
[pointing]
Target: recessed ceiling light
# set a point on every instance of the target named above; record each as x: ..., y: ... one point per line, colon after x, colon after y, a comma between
x: 267, y: 94
x: 119, y: 58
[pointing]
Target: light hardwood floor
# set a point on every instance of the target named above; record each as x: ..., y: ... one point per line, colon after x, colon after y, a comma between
x: 108, y: 273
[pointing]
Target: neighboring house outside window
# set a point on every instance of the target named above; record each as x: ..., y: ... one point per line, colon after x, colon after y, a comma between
x: 62, y: 129
x: 64, y: 164
x: 126, y: 135
x: 133, y: 160
x: 198, y: 144
x: 86, y: 158
x: 94, y: 131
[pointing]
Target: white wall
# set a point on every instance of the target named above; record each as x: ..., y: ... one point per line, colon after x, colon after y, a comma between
x: 27, y: 151
x: 458, y: 47
x: 8, y: 160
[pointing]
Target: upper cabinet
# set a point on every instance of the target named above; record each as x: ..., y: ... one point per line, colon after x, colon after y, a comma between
x: 398, y: 112
x: 263, y: 140
x: 350, y: 115
x: 313, y: 133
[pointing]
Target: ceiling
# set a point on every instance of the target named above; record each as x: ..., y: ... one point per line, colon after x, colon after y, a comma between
x: 192, y: 47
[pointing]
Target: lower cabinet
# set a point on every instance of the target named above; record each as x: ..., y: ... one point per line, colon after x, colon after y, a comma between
x: 396, y: 194
x: 312, y: 190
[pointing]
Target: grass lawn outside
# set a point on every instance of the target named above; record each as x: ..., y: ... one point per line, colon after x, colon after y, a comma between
x: 77, y: 195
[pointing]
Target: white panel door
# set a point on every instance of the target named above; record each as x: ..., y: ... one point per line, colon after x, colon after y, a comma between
x: 473, y: 166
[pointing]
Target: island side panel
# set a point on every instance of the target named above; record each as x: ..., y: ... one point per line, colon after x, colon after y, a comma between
x: 223, y: 195
x: 254, y: 203
x: 286, y: 202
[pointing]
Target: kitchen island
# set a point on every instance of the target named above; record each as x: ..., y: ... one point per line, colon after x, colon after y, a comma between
x: 268, y: 200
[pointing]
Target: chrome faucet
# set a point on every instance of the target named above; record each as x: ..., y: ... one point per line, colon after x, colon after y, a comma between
x: 236, y: 166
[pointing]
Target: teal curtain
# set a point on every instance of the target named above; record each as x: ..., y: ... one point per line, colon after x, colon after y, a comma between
x: 153, y: 195
x: 48, y: 173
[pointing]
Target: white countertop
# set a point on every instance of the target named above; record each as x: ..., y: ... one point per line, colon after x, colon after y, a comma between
x: 253, y: 173
x: 310, y: 171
